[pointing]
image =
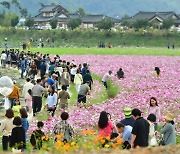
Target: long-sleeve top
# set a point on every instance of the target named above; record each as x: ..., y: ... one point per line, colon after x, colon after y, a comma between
x: 37, y: 90
x: 15, y: 93
x: 6, y: 126
x: 105, y: 77
x: 156, y: 111
x: 87, y: 77
x: 51, y: 100
x: 26, y: 87
x: 169, y: 134
x: 18, y: 138
x: 78, y: 79
x: 25, y: 124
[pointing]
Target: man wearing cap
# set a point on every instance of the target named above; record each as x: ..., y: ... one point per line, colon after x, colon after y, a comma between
x: 168, y: 130
x: 140, y: 131
x: 128, y: 118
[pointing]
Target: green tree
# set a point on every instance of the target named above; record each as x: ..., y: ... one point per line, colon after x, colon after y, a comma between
x: 53, y: 23
x: 15, y: 3
x: 105, y: 24
x: 24, y: 12
x: 6, y: 4
x: 29, y: 22
x: 167, y: 23
x: 81, y: 11
x: 14, y: 21
x: 126, y: 23
x: 74, y: 23
x: 143, y: 23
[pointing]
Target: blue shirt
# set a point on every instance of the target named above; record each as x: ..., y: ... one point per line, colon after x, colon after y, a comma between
x: 50, y: 81
x: 128, y: 121
x: 25, y: 124
x: 127, y: 134
x: 84, y: 70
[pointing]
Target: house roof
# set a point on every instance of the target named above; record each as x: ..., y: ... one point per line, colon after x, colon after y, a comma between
x: 95, y: 18
x: 74, y: 15
x: 150, y: 15
x: 41, y: 18
x: 49, y: 8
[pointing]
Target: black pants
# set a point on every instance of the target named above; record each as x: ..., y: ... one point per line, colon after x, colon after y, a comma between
x: 105, y: 84
x: 72, y: 78
x: 5, y: 142
x: 52, y: 110
x: 126, y: 145
x: 37, y: 104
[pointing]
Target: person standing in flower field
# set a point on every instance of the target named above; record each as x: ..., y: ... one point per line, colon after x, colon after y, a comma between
x: 154, y: 109
x: 36, y: 137
x: 140, y: 131
x: 105, y: 78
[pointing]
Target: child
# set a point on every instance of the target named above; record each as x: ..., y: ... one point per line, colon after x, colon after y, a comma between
x: 36, y: 137
x: 29, y: 101
x: 17, y: 140
x: 63, y: 127
x: 16, y: 108
x: 25, y: 123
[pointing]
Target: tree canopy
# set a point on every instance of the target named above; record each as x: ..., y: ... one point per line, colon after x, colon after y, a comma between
x: 105, y: 24
x: 74, y: 23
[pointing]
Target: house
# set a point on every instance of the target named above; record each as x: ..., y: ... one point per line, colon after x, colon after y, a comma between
x: 155, y: 18
x: 49, y: 12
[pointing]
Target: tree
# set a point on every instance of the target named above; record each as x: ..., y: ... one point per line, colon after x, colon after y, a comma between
x: 16, y: 3
x: 125, y: 16
x: 74, y: 23
x: 24, y: 12
x: 53, y: 23
x: 29, y: 22
x: 167, y: 23
x: 81, y: 11
x: 105, y: 24
x: 6, y: 4
x: 14, y: 21
x: 143, y: 23
x: 126, y: 23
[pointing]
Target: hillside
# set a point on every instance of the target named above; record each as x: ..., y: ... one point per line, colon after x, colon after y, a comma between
x: 109, y: 7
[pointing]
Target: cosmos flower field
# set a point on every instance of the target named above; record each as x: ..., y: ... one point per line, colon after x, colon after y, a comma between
x: 139, y: 84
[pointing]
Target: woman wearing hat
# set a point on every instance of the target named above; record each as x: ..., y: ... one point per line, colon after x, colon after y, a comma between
x: 168, y: 130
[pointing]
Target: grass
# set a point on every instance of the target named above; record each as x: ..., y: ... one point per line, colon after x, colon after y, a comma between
x: 112, y: 51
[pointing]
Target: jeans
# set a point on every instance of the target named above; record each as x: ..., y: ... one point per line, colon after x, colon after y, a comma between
x: 11, y: 100
x: 22, y: 72
x: 105, y: 84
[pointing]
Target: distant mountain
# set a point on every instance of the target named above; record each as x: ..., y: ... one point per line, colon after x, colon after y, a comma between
x: 109, y: 7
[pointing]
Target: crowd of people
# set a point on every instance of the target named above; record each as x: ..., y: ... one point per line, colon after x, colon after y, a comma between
x: 50, y: 77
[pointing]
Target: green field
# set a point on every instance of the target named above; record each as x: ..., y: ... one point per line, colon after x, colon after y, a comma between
x: 89, y: 38
x: 112, y: 51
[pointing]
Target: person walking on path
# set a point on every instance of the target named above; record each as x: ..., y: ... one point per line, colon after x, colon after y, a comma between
x: 14, y: 95
x: 78, y: 80
x: 37, y: 92
x: 84, y: 90
x: 64, y: 96
x: 88, y: 78
x: 28, y: 85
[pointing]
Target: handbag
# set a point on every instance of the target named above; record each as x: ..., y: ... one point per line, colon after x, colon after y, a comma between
x: 153, y: 141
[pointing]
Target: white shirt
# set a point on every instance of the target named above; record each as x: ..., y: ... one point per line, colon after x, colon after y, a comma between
x: 26, y: 87
x: 3, y: 56
x: 51, y: 100
x: 105, y: 77
x: 73, y: 71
